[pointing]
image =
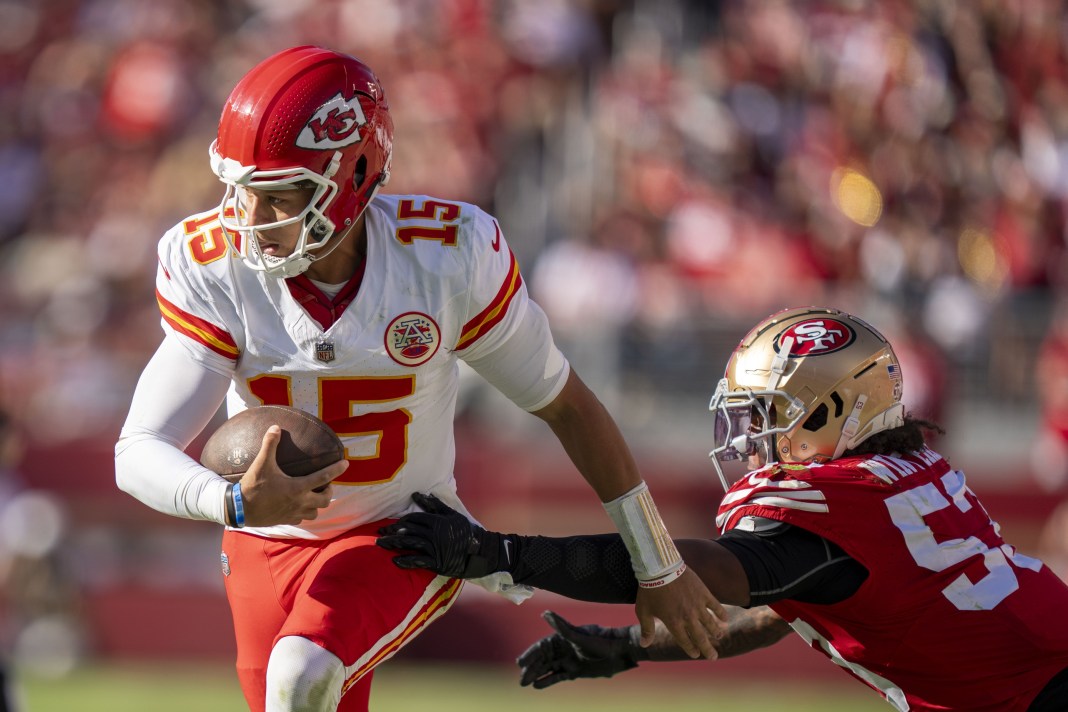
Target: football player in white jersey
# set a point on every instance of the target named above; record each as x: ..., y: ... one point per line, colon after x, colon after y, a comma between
x: 305, y: 287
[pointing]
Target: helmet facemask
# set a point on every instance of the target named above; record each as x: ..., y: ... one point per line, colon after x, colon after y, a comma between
x: 745, y: 424
x: 316, y: 227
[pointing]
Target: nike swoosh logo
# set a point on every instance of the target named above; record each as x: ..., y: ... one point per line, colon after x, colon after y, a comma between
x: 508, y: 550
x: 496, y: 244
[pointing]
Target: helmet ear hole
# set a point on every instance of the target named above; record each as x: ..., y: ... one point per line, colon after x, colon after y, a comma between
x: 360, y: 173
x: 839, y: 404
x: 817, y: 419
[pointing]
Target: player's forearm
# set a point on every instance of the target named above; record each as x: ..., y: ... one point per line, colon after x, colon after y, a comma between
x: 174, y: 399
x: 596, y: 447
x: 592, y: 440
x: 751, y: 629
x: 167, y: 480
x: 597, y: 567
x: 584, y: 568
x: 747, y: 630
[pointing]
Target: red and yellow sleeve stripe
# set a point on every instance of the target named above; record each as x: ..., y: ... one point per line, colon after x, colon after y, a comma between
x: 203, y: 332
x: 492, y: 314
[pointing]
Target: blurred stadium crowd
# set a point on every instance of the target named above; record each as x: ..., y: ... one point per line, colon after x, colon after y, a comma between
x: 666, y: 171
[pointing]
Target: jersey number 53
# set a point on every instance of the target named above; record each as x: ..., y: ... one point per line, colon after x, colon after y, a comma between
x: 910, y: 511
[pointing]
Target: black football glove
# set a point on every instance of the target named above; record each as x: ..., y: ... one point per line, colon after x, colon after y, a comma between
x: 578, y: 651
x: 442, y: 540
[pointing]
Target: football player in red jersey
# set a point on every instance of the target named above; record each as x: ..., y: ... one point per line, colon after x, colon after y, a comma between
x: 307, y: 287
x: 847, y: 530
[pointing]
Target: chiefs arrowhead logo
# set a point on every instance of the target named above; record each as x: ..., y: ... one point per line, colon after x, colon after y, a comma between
x: 335, y: 124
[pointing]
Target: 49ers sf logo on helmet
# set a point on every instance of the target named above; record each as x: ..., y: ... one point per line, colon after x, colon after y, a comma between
x: 814, y: 337
x: 335, y: 124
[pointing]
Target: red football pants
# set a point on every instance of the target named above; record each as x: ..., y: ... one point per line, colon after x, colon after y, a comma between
x: 344, y: 594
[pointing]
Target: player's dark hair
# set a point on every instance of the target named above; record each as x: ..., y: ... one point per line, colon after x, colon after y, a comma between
x: 904, y: 438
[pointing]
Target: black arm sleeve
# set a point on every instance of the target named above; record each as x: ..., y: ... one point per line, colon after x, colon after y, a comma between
x: 785, y: 562
x: 585, y: 568
x: 1054, y: 695
x: 788, y: 562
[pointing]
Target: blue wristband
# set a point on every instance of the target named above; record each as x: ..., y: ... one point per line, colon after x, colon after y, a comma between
x: 239, y: 506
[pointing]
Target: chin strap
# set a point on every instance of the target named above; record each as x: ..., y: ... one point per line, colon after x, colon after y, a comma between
x: 335, y: 241
x: 778, y: 364
x: 778, y: 370
x: 849, y: 430
x: 892, y: 417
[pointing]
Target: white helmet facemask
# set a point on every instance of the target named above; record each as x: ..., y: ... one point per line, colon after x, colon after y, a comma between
x: 743, y: 424
x: 316, y: 228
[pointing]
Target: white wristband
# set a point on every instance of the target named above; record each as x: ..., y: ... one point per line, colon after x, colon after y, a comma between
x: 652, y: 552
x: 666, y: 579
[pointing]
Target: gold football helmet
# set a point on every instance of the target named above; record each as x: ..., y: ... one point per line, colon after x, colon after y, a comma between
x: 805, y: 385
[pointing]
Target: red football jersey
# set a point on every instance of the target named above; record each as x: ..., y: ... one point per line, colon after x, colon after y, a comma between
x: 950, y: 616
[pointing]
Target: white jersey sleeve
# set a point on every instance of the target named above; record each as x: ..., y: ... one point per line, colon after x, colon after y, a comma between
x: 175, y: 398
x: 193, y: 305
x: 506, y: 338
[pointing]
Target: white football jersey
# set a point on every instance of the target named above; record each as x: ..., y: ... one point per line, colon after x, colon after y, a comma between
x: 378, y: 363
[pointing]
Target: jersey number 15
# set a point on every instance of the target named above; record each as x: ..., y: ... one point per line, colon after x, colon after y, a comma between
x: 336, y: 398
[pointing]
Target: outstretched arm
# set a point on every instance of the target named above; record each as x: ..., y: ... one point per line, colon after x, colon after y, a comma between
x: 740, y: 568
x: 674, y: 595
x: 587, y: 568
x: 748, y: 629
x: 588, y: 651
x: 525, y: 365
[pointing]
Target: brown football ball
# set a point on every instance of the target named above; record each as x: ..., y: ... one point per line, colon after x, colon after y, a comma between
x: 308, y: 444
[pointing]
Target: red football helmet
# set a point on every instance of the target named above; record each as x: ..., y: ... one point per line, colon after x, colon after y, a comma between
x: 305, y: 114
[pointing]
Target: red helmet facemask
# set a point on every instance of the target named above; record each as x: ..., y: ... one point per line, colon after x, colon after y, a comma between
x: 306, y: 115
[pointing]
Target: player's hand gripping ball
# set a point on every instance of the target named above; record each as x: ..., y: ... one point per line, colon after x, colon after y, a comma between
x: 307, y: 445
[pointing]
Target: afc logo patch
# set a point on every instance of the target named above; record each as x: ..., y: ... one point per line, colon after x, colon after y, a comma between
x: 816, y: 337
x: 412, y: 339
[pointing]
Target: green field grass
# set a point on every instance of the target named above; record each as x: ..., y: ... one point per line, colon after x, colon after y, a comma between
x: 418, y: 688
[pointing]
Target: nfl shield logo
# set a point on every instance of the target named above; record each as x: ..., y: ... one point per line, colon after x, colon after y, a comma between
x: 324, y: 351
